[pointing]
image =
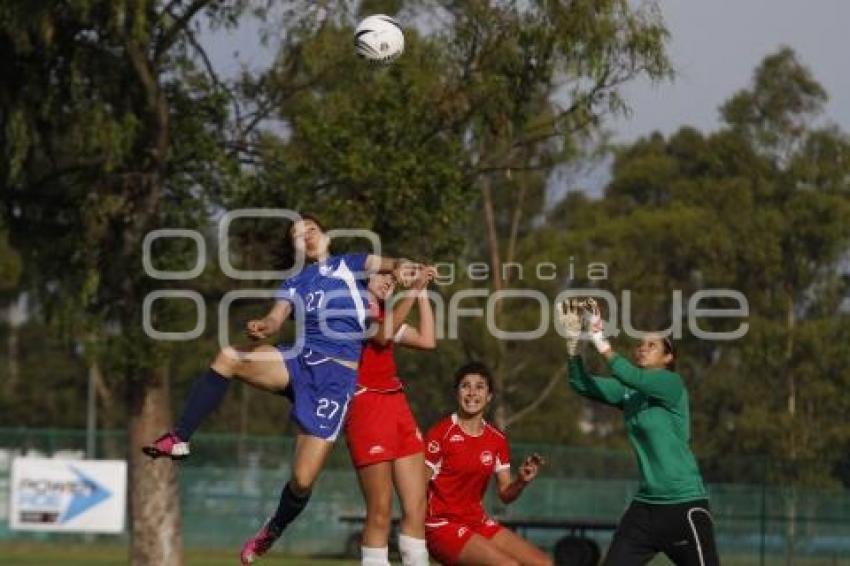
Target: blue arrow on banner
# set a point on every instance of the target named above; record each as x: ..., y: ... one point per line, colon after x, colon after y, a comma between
x: 86, y: 498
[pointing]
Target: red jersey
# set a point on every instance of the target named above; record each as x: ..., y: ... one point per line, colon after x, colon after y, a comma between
x: 377, y: 370
x: 462, y: 466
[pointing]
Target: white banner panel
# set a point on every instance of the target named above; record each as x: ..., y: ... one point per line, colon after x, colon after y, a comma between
x: 68, y: 495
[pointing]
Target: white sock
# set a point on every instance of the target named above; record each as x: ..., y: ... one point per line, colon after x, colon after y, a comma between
x: 414, y: 551
x: 371, y: 556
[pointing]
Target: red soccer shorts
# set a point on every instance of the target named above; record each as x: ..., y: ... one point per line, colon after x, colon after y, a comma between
x: 446, y: 539
x: 381, y: 428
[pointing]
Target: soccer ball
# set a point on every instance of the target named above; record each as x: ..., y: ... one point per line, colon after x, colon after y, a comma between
x: 379, y: 38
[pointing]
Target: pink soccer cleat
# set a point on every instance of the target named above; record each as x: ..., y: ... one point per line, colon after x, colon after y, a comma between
x: 259, y: 544
x: 168, y: 445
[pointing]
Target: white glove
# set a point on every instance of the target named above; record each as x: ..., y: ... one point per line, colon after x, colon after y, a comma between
x: 570, y: 320
x: 597, y: 329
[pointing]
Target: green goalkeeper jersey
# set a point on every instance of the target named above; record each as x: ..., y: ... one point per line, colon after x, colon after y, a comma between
x: 655, y: 407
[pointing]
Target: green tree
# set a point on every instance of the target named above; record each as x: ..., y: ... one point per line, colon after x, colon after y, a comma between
x: 12, y: 301
x: 114, y: 126
x: 542, y: 77
x: 760, y: 206
x: 456, y: 139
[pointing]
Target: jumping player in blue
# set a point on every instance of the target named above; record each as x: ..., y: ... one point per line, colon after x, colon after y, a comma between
x: 328, y: 301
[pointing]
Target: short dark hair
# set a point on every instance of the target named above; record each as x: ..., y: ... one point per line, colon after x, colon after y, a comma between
x: 474, y: 367
x: 286, y: 256
x: 307, y: 216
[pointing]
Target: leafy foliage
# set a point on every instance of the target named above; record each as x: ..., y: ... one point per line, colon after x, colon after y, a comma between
x: 114, y: 124
x: 761, y: 207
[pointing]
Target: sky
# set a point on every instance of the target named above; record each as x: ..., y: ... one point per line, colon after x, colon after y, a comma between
x: 716, y: 44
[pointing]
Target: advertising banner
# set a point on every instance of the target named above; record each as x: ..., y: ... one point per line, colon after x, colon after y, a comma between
x: 68, y: 495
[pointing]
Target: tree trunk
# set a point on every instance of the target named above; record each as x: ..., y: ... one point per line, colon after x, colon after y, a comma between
x: 791, y: 527
x: 154, y: 490
x: 91, y: 410
x: 790, y: 324
x: 111, y: 419
x: 791, y: 382
x: 500, y: 415
x: 517, y: 216
x: 15, y: 317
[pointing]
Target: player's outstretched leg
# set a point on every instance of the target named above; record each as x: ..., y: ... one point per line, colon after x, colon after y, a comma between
x: 260, y: 366
x: 479, y: 550
x: 290, y: 506
x: 376, y: 485
x: 206, y: 395
x: 520, y: 549
x: 409, y: 476
x: 310, y: 455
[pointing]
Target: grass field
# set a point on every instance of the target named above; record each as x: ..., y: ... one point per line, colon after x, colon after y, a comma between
x: 27, y: 554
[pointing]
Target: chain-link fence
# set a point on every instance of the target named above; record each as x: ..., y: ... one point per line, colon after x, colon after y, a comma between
x: 232, y: 483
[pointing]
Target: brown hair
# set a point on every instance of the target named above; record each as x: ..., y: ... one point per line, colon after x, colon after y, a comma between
x: 286, y: 256
x: 307, y: 216
x: 670, y: 348
x: 474, y: 367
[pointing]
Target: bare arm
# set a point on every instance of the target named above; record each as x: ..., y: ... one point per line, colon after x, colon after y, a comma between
x: 510, y: 490
x: 260, y: 329
x: 380, y: 264
x: 422, y: 337
x: 404, y: 271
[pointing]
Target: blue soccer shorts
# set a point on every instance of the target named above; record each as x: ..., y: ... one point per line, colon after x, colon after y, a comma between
x: 320, y: 390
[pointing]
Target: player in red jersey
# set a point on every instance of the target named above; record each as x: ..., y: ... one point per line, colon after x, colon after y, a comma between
x: 462, y: 452
x: 384, y: 441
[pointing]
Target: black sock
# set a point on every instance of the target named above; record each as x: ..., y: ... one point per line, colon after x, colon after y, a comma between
x: 290, y: 506
x: 205, y: 396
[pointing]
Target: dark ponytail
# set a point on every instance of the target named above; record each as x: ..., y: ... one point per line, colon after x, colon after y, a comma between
x: 670, y: 348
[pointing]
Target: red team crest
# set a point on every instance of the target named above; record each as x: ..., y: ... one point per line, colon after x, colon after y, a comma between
x: 487, y: 458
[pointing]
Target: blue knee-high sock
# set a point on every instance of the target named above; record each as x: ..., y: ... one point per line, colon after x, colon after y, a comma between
x: 290, y: 506
x: 205, y: 396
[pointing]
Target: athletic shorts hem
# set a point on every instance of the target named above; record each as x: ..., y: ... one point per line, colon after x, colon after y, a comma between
x: 446, y: 538
x: 389, y: 458
x: 683, y: 501
x: 381, y: 428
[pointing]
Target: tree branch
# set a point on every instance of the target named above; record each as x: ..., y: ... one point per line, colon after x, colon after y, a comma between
x: 181, y: 23
x: 553, y: 382
x: 520, y: 198
x: 475, y: 172
x: 202, y: 53
x: 193, y: 41
x: 157, y: 103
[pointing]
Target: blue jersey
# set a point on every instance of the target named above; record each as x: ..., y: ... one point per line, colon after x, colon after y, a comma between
x: 330, y: 304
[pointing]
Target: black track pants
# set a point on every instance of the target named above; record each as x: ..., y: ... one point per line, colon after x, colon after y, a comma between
x: 682, y: 531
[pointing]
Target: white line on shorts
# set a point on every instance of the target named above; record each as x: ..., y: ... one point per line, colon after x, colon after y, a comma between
x: 694, y: 530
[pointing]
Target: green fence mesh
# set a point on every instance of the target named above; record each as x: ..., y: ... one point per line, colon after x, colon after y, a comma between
x: 232, y: 483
